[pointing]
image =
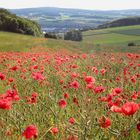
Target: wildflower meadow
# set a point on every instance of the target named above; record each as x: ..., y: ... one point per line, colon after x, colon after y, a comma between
x: 62, y: 95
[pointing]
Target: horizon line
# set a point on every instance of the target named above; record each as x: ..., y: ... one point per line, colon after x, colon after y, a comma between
x: 69, y: 8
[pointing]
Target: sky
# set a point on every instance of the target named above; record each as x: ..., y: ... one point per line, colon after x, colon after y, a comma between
x: 80, y: 4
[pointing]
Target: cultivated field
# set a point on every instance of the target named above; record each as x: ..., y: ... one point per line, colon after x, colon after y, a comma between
x: 113, y: 36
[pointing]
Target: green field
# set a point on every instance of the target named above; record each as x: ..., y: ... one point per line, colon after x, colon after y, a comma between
x: 113, y: 36
x: 112, y: 39
x: 135, y: 32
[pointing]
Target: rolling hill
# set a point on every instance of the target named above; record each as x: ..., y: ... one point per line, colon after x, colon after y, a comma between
x: 121, y: 22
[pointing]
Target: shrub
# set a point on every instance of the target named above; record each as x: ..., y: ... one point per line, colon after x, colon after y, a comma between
x: 74, y: 35
x: 50, y: 35
x: 131, y: 44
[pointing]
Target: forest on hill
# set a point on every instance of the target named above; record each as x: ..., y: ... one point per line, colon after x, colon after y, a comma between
x: 12, y: 23
x: 122, y: 22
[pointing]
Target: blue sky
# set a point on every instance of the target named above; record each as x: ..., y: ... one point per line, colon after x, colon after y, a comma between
x: 80, y: 4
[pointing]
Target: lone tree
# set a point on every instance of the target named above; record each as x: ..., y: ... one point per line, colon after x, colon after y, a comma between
x: 50, y: 35
x: 74, y: 35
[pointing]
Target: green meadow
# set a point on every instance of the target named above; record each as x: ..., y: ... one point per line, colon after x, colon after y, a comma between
x: 111, y: 39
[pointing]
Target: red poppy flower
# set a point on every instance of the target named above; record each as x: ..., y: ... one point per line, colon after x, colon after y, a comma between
x: 74, y: 84
x: 75, y: 100
x: 35, y: 94
x: 133, y: 79
x: 103, y: 99
x: 11, y: 80
x: 54, y: 130
x: 35, y: 67
x: 90, y: 86
x: 66, y: 95
x: 134, y: 96
x: 117, y: 90
x: 130, y: 108
x: 116, y: 109
x: 33, y: 99
x: 95, y: 70
x: 72, y: 120
x: 74, y: 66
x: 61, y: 82
x: 12, y: 94
x: 99, y: 89
x: 89, y: 79
x: 74, y: 75
x: 2, y: 76
x: 103, y: 71
x: 14, y: 68
x: 5, y: 104
x: 30, y: 132
x: 62, y: 103
x: 105, y: 122
x: 38, y: 76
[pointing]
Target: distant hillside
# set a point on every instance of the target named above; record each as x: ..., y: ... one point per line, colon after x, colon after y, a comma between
x: 121, y: 22
x: 12, y: 23
x: 53, y: 19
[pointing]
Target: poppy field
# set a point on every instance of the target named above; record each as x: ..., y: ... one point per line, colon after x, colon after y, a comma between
x: 62, y: 95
